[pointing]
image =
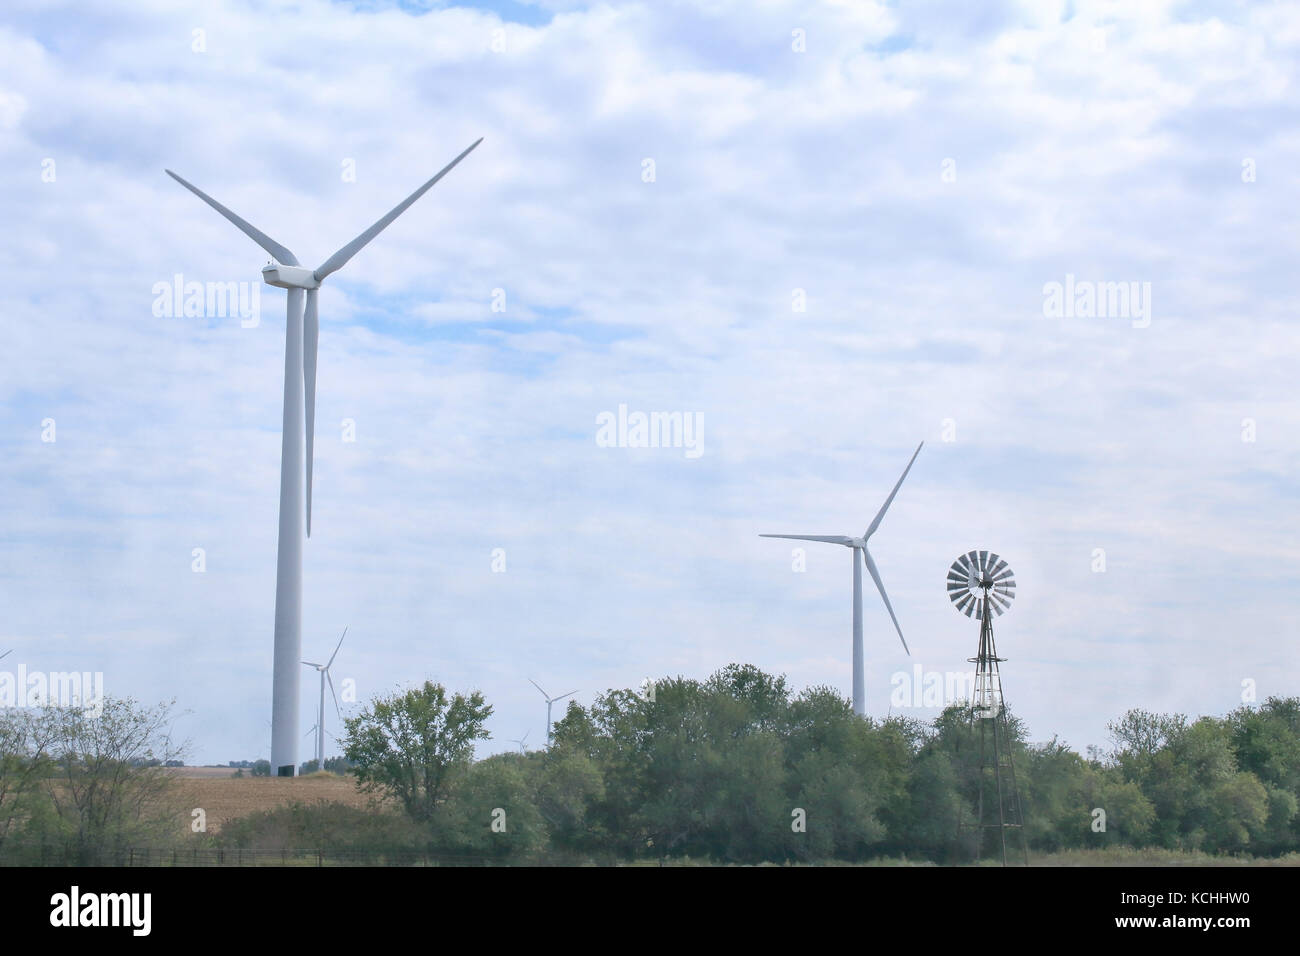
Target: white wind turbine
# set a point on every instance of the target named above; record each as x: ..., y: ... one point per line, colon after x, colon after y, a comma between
x: 324, y: 670
x: 521, y: 741
x: 860, y: 545
x: 549, y: 702
x: 301, y: 334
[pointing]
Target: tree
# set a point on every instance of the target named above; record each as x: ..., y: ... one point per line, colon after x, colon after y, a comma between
x: 567, y: 783
x: 108, y: 790
x: 490, y: 812
x: 22, y: 766
x: 410, y: 745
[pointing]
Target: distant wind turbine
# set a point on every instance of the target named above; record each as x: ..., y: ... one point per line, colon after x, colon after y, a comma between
x: 301, y: 334
x: 520, y: 741
x: 324, y: 670
x: 549, y: 702
x: 860, y: 545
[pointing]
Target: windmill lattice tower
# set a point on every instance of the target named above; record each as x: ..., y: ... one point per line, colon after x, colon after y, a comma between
x: 981, y: 584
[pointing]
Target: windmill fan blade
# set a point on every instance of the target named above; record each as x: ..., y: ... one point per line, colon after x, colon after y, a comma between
x: 280, y: 253
x: 828, y: 538
x: 340, y: 258
x: 963, y: 601
x: 310, y: 338
x: 984, y: 561
x: 875, y: 523
x: 539, y: 687
x: 334, y: 695
x: 875, y: 576
x: 337, y: 646
x: 999, y: 564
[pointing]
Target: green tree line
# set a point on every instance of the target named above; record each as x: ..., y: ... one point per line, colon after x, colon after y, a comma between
x: 741, y: 768
x: 735, y: 768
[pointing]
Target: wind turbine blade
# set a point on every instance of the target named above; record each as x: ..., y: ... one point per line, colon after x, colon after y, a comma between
x: 280, y: 253
x: 562, y: 696
x: 828, y: 538
x: 871, y: 529
x: 312, y: 664
x: 337, y: 261
x: 336, y: 648
x: 310, y: 732
x: 310, y: 337
x: 6, y: 654
x: 539, y: 687
x: 875, y: 576
x: 334, y: 695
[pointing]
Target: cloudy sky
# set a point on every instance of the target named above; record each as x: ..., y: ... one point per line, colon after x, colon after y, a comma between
x: 823, y: 231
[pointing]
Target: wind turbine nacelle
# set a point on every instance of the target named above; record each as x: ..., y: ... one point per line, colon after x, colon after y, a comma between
x: 289, y: 277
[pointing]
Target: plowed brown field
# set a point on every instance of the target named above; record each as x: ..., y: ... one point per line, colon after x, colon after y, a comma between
x: 224, y: 797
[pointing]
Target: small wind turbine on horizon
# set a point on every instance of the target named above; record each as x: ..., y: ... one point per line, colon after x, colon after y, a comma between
x: 301, y: 335
x: 324, y: 670
x: 860, y: 545
x: 549, y: 701
x: 520, y: 741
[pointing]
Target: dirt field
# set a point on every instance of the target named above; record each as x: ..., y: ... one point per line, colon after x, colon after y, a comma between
x: 225, y: 797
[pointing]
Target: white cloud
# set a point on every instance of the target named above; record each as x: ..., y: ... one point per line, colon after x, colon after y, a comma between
x: 775, y: 170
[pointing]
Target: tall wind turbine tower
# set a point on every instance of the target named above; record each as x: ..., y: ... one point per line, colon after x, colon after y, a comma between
x: 301, y: 333
x: 859, y: 545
